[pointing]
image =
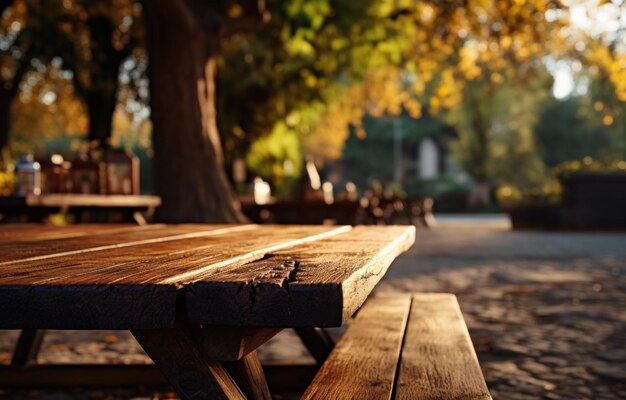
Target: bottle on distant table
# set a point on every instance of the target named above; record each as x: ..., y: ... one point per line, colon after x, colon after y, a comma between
x: 27, y: 176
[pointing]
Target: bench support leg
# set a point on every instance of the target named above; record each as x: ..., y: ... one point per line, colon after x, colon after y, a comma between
x: 248, y: 372
x: 317, y: 341
x: 27, y: 347
x: 179, y: 358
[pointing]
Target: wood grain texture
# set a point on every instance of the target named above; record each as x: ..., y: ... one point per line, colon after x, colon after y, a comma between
x: 119, y: 284
x: 168, y: 259
x: 249, y: 375
x: 23, y: 251
x: 403, y: 346
x: 125, y: 277
x: 438, y: 360
x: 192, y: 375
x: 319, y: 283
x: 363, y: 363
x: 33, y: 232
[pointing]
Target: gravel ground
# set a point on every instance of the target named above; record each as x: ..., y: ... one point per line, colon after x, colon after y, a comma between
x: 546, y: 311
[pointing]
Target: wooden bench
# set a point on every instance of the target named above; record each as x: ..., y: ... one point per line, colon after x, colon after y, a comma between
x: 37, y: 208
x: 403, y: 346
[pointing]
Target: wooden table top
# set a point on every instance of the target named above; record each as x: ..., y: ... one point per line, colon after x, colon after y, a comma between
x: 142, y: 277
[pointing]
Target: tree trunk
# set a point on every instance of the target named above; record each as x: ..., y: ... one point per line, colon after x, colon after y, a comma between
x: 480, y: 146
x: 100, y: 107
x: 5, y: 118
x: 100, y: 95
x: 188, y: 161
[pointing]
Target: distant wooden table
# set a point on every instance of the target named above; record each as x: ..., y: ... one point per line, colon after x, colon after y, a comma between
x: 37, y: 208
x: 199, y: 298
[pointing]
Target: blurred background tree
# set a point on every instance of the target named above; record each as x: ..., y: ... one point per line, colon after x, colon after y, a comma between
x: 306, y: 78
x: 104, y: 40
x: 23, y: 24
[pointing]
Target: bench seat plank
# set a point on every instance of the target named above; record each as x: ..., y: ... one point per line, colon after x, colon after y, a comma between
x: 438, y: 359
x: 319, y: 283
x: 363, y: 363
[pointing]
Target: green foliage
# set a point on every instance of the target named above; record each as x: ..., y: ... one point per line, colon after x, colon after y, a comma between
x: 268, y: 155
x: 548, y: 193
x: 298, y: 62
x: 479, y: 62
x: 7, y: 182
x: 589, y: 165
x: 565, y: 132
x: 496, y: 124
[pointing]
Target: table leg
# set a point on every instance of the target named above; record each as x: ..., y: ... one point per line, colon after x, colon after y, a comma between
x: 27, y: 347
x: 248, y: 372
x: 317, y: 341
x: 192, y: 375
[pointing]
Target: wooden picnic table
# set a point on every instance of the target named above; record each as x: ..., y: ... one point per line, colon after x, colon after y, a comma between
x: 37, y: 208
x: 199, y: 298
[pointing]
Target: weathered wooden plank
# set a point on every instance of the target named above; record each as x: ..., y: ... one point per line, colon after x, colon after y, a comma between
x: 24, y: 251
x: 363, y: 363
x: 270, y: 276
x: 438, y: 360
x: 192, y: 375
x: 33, y: 232
x: 320, y: 283
x: 167, y: 260
x: 126, y: 287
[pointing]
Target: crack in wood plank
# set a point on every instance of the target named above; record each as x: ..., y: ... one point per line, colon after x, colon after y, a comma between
x: 280, y: 275
x: 255, y: 255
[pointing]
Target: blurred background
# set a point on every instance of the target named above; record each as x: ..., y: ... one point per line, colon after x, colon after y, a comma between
x: 400, y: 106
x: 346, y: 112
